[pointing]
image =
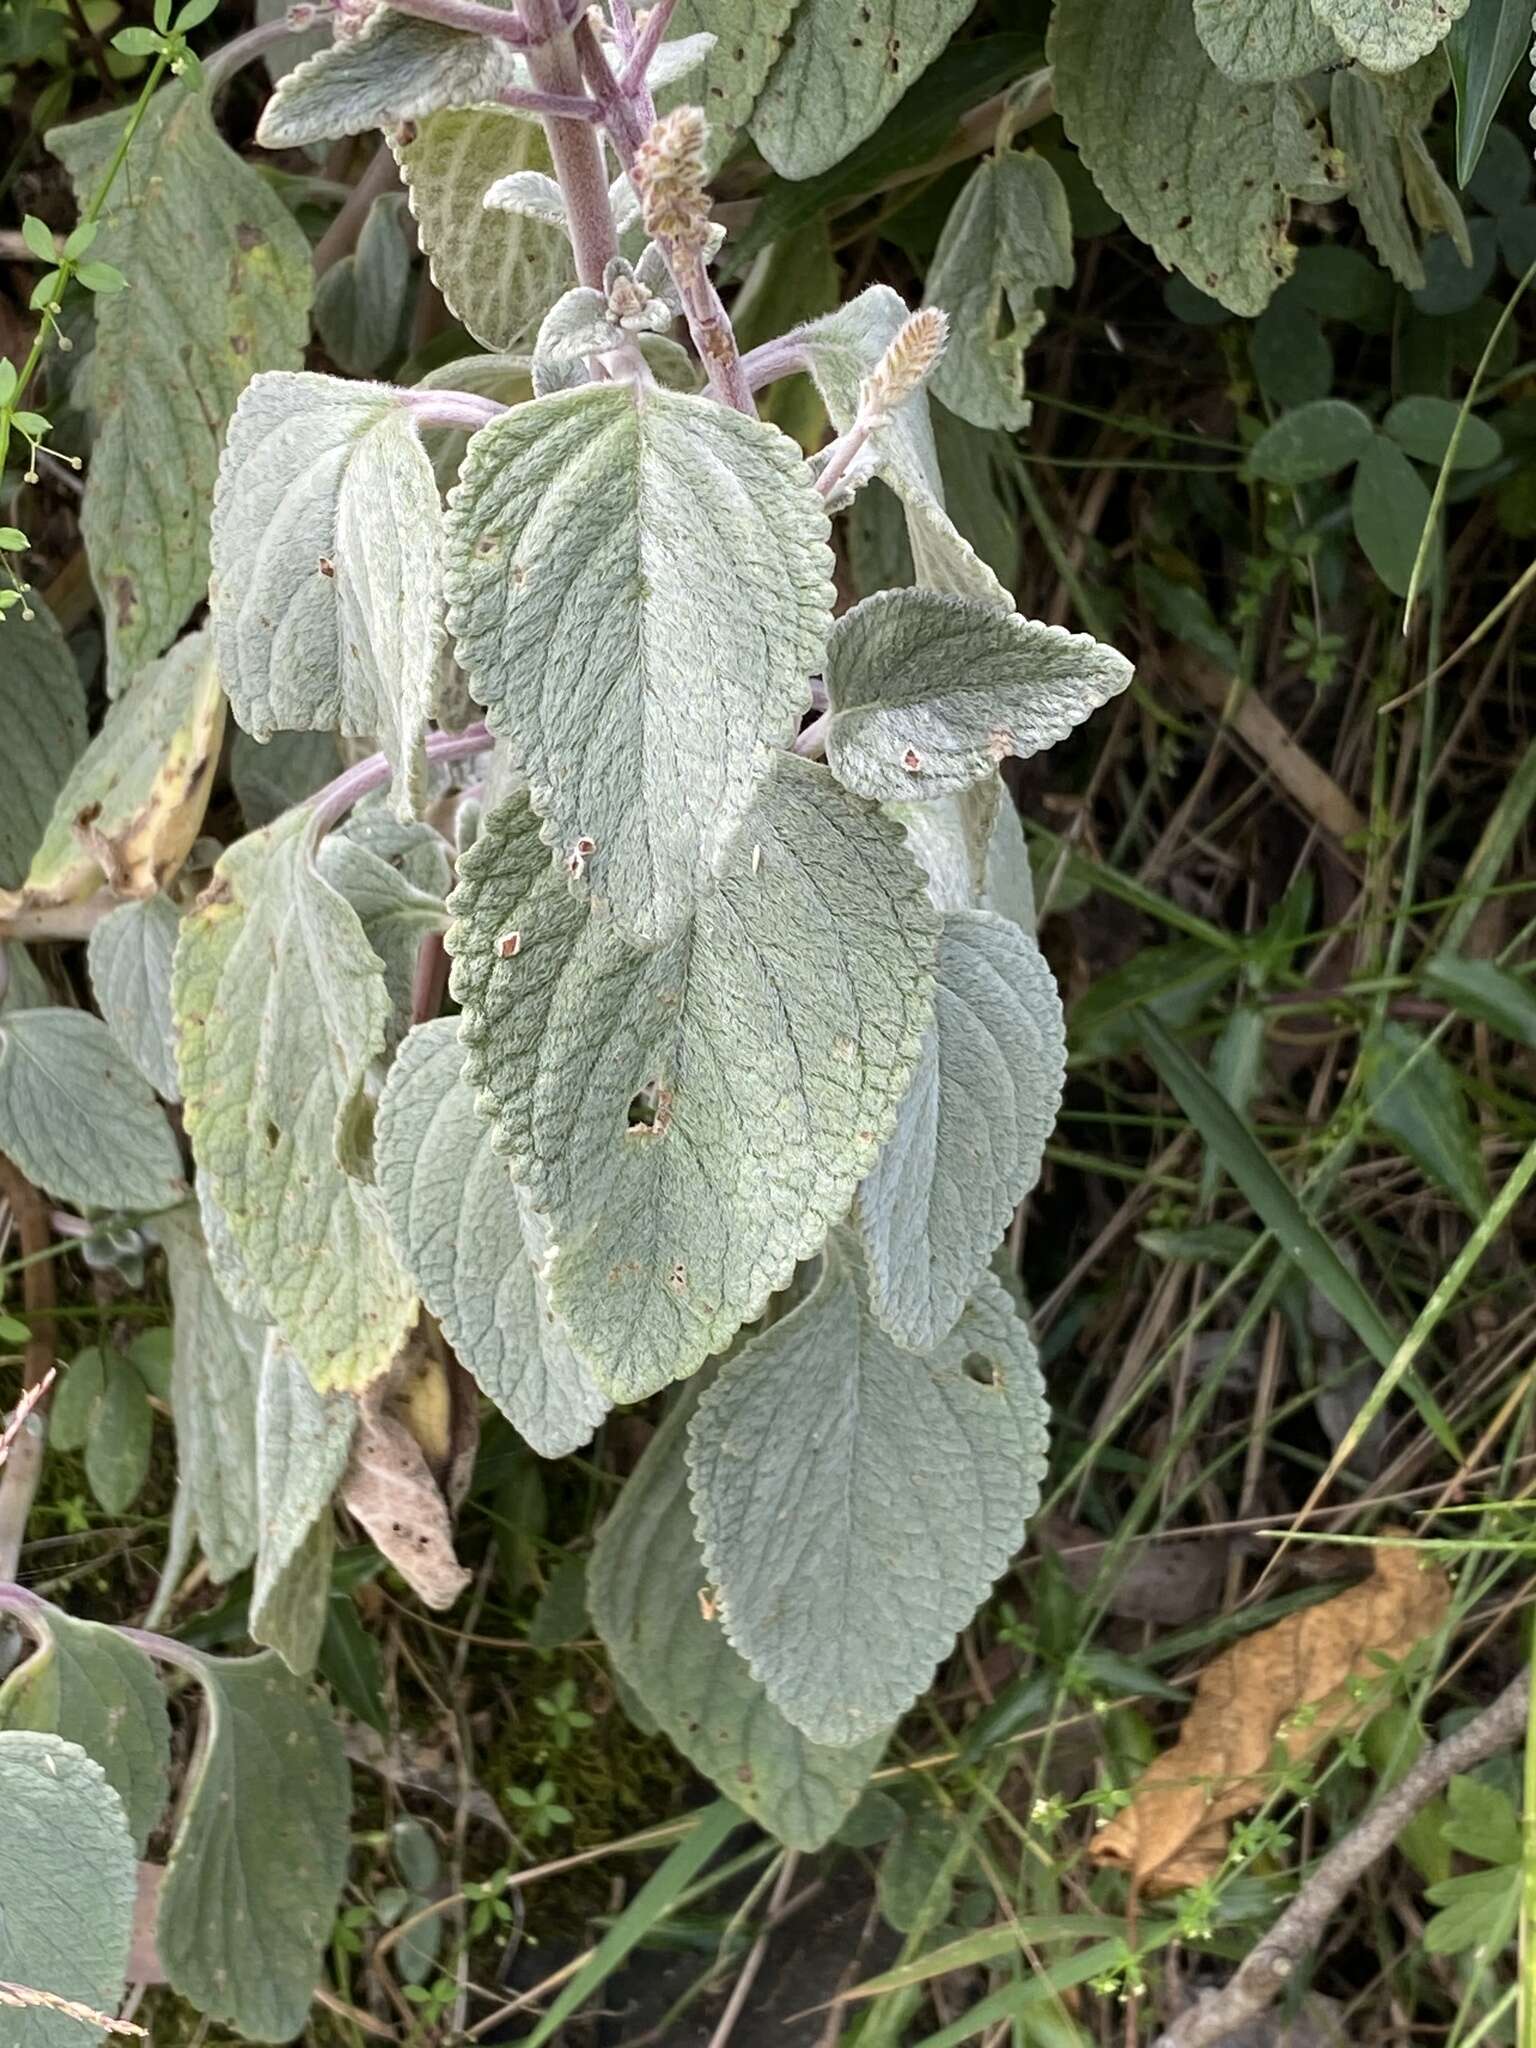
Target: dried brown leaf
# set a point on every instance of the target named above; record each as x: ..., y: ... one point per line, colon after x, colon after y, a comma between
x: 409, y: 1457
x: 1294, y: 1686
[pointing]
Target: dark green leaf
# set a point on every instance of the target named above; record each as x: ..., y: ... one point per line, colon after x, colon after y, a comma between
x: 1416, y: 1099
x: 1390, y: 505
x: 1424, y: 428
x: 1315, y: 440
x: 1484, y: 47
x: 1491, y: 994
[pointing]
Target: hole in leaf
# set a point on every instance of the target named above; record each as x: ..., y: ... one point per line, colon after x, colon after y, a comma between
x: 271, y: 1134
x: 983, y: 1370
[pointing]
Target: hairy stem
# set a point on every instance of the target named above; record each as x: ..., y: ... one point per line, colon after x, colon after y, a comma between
x: 466, y: 409
x: 472, y: 16
x: 353, y: 784
x: 24, y: 1466
x: 575, y: 151
x: 638, y: 61
x: 244, y: 49
x: 1295, y: 1936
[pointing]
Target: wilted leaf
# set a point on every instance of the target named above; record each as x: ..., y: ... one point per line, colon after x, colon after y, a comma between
x: 691, y: 1120
x: 171, y: 360
x: 130, y: 955
x: 851, y: 1535
x: 42, y: 704
x: 78, y: 1119
x: 281, y: 1009
x: 646, y: 1590
x: 256, y: 1868
x: 392, y: 1489
x: 1310, y: 1677
x: 1203, y: 168
x: 134, y: 801
x: 67, y: 1882
x: 592, y: 634
x: 474, y: 1246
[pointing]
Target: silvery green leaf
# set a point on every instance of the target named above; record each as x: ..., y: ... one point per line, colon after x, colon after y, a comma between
x: 972, y: 1130
x: 67, y: 1880
x: 396, y: 911
x: 1008, y: 238
x: 396, y: 70
x: 1203, y: 168
x: 281, y: 1011
x: 770, y: 1045
x: 271, y: 776
x: 24, y: 987
x: 361, y: 300
x: 1263, y: 41
x: 575, y: 327
x: 1378, y: 126
x: 133, y: 803
x: 42, y: 704
x: 840, y: 73
x: 231, y: 1274
x: 130, y: 956
x: 841, y: 350
x: 1389, y: 35
x: 497, y: 271
x: 256, y: 1869
x: 679, y: 58
x: 92, y: 1686
x: 303, y: 1441
x: 78, y: 1119
x: 215, y: 1378
x: 644, y: 1590
x: 643, y: 664
x: 538, y: 197
x: 170, y: 363
x: 928, y: 693
x: 855, y: 1501
x: 749, y: 35
x: 326, y: 567
x: 474, y: 1246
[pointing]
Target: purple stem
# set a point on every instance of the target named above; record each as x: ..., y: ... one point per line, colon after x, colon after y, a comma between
x: 550, y: 106
x: 771, y: 360
x: 638, y: 62
x: 813, y: 741
x: 472, y: 16
x: 574, y: 149
x: 350, y: 787
x: 464, y: 409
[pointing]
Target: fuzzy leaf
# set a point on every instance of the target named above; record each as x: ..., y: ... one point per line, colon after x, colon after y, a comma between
x: 473, y: 1245
x: 776, y: 1036
x: 87, y: 1683
x: 398, y: 885
x: 639, y: 587
x: 42, y: 704
x: 170, y: 361
x: 66, y: 1886
x: 841, y: 71
x: 130, y: 956
x: 749, y: 34
x: 1389, y: 35
x: 1364, y: 132
x: 215, y: 1376
x: 361, y: 300
x: 971, y: 1133
x: 498, y: 271
x: 281, y: 1009
x: 971, y: 847
x: 856, y: 1501
x: 326, y: 567
x: 78, y: 1119
x: 929, y: 693
x: 256, y: 1868
x: 396, y: 70
x: 1007, y: 239
x: 1263, y: 41
x: 303, y: 1441
x: 644, y: 1590
x: 841, y: 349
x: 1203, y: 168
x: 134, y: 801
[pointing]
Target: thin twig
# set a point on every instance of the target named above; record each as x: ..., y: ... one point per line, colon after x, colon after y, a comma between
x: 1298, y: 1932
x: 24, y: 1464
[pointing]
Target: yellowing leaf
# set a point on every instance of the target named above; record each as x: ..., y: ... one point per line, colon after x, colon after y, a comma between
x: 134, y: 801
x: 1297, y: 1685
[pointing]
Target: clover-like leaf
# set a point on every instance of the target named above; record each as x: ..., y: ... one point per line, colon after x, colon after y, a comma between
x: 67, y: 1886
x: 79, y: 1119
x: 690, y: 1121
x: 839, y: 74
x: 92, y: 1686
x: 1202, y: 167
x: 474, y: 1246
x: 215, y: 1377
x: 130, y: 956
x: 222, y: 282
x: 639, y: 588
x: 326, y: 567
x: 281, y: 1009
x: 855, y: 1501
x: 133, y: 803
x: 971, y: 1134
x: 1008, y: 238
x: 645, y: 1591
x: 42, y: 703
x: 256, y: 1868
x: 929, y: 692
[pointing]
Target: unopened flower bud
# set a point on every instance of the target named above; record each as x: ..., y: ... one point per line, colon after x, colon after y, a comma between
x: 900, y: 371
x: 669, y: 174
